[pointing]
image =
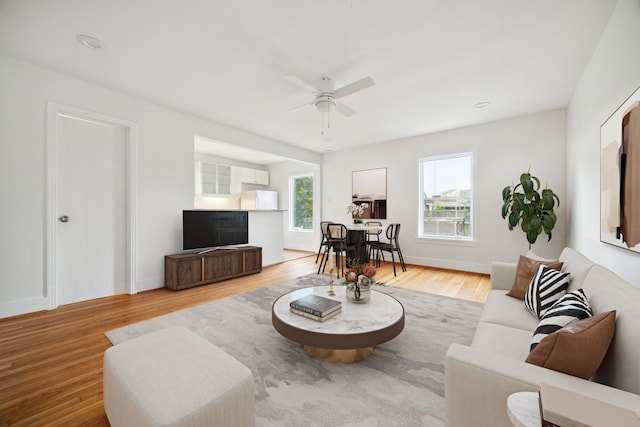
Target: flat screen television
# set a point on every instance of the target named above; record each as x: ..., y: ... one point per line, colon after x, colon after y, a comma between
x: 202, y: 229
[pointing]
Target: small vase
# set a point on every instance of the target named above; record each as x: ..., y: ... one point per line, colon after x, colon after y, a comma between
x: 358, y: 294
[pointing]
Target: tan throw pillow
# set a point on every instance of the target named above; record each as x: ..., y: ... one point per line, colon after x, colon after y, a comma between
x: 579, y: 348
x: 526, y: 269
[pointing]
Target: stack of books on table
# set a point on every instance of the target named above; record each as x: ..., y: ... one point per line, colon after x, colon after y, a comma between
x: 564, y: 408
x: 316, y: 307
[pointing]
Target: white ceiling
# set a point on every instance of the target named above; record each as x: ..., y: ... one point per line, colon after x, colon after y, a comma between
x: 226, y: 61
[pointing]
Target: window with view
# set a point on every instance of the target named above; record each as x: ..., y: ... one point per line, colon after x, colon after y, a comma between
x: 301, y: 203
x: 446, y: 203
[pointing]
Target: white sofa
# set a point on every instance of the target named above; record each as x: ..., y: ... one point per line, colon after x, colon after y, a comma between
x: 480, y: 377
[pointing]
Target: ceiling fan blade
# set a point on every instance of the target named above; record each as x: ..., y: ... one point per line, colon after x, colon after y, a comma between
x: 344, y: 110
x: 297, y: 81
x: 353, y: 87
x: 300, y: 107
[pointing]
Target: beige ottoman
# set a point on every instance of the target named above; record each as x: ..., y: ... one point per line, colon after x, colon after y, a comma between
x: 174, y: 377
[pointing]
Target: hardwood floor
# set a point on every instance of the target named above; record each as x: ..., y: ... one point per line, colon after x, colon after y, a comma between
x: 51, y: 362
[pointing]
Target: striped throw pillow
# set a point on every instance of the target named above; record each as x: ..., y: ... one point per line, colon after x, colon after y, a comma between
x: 572, y: 306
x: 546, y: 287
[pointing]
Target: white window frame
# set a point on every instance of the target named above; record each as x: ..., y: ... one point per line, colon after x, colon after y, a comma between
x: 292, y: 179
x: 455, y: 239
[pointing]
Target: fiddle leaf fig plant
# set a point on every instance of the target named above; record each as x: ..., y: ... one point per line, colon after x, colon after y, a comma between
x: 532, y: 209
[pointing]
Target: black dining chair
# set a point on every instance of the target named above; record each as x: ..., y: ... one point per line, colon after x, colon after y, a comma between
x: 373, y: 236
x: 323, y: 242
x: 393, y: 246
x: 336, y: 240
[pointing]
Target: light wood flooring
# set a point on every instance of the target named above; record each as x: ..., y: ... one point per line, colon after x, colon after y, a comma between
x: 51, y: 362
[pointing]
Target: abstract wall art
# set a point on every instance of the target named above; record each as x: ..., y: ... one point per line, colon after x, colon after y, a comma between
x: 370, y: 187
x: 620, y: 176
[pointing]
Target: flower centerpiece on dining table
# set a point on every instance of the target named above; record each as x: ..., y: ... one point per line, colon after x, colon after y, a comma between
x: 356, y: 211
x: 358, y: 279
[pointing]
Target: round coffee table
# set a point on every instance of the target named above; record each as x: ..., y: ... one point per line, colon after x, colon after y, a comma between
x: 348, y: 337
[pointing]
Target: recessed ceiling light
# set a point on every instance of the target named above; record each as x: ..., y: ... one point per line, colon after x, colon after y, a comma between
x: 88, y: 41
x: 481, y: 105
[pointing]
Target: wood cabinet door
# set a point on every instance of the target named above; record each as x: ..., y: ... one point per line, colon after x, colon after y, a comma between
x: 182, y: 271
x: 253, y: 260
x: 219, y: 265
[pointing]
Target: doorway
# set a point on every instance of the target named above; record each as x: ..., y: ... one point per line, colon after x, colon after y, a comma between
x: 90, y: 205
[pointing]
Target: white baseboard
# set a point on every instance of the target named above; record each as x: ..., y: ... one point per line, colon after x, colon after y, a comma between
x: 152, y: 283
x: 272, y: 260
x: 301, y: 247
x: 448, y: 264
x: 14, y: 308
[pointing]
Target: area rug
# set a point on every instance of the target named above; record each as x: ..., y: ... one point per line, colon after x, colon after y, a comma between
x: 400, y: 384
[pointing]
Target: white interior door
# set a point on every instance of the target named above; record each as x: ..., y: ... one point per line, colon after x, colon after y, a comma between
x: 91, y: 180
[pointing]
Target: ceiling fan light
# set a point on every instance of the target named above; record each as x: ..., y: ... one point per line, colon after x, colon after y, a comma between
x: 325, y: 103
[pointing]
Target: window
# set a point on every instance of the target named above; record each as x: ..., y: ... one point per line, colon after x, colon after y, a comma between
x: 446, y: 202
x: 301, y: 203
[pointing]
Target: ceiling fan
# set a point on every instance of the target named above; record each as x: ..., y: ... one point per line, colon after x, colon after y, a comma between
x: 326, y: 96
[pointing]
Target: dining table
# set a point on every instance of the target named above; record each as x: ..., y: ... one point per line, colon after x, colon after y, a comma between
x: 357, y: 241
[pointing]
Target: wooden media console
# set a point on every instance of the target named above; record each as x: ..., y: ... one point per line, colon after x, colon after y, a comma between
x: 183, y: 271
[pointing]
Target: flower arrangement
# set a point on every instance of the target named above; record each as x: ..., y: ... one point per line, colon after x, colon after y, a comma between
x: 359, y: 276
x: 357, y: 210
x: 358, y: 280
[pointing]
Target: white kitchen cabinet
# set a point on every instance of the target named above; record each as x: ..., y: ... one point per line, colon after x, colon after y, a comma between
x: 241, y: 175
x: 212, y: 178
x: 248, y: 176
x: 262, y: 177
x: 224, y: 179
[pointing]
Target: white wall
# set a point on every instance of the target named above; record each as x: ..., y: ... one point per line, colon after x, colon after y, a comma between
x: 165, y: 174
x: 503, y: 150
x: 279, y: 174
x: 612, y: 75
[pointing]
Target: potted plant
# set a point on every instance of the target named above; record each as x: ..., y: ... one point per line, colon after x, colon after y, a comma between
x: 532, y: 209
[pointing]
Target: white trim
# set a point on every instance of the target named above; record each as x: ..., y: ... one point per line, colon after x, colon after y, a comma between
x: 448, y: 239
x: 54, y: 110
x: 445, y: 240
x: 15, y: 308
x: 132, y: 204
x: 50, y: 224
x: 449, y: 264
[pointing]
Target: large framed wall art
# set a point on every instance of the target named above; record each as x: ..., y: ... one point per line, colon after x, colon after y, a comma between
x: 620, y: 176
x: 370, y: 187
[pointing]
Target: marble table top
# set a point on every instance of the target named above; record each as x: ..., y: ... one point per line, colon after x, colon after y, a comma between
x: 358, y: 325
x: 379, y: 312
x: 362, y: 227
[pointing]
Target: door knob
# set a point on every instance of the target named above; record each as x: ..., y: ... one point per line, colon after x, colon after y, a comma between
x: 64, y: 218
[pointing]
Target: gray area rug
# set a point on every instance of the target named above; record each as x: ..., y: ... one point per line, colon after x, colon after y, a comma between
x: 400, y: 384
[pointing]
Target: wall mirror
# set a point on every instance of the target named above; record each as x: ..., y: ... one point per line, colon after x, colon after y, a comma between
x: 370, y: 187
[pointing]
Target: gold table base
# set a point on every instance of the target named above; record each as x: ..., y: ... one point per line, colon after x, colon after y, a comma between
x: 338, y: 355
